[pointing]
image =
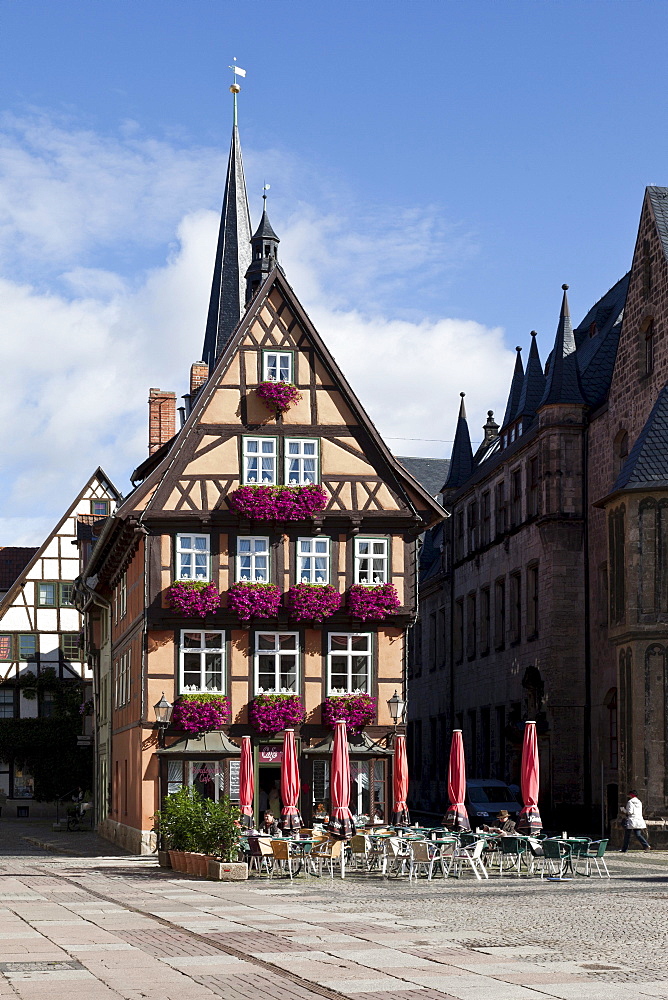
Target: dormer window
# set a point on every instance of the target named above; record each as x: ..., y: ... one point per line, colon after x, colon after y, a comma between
x: 277, y: 366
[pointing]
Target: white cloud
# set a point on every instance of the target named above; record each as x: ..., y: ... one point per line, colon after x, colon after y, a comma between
x: 80, y: 347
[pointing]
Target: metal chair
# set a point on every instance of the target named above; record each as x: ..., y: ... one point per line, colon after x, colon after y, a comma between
x: 396, y: 860
x: 261, y: 855
x: 358, y: 849
x: 513, y: 849
x: 283, y: 852
x: 593, y: 855
x: 423, y: 857
x: 471, y: 855
x: 556, y: 859
x: 327, y: 853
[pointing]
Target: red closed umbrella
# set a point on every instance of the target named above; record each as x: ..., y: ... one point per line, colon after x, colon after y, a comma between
x: 400, y: 782
x: 341, y: 819
x: 291, y: 820
x: 246, y: 782
x: 457, y: 817
x: 529, y: 818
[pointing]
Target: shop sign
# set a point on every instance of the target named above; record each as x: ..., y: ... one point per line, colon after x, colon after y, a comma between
x: 270, y: 754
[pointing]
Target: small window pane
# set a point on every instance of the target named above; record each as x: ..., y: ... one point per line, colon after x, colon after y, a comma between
x: 266, y: 641
x: 70, y: 646
x: 27, y: 647
x: 66, y: 592
x: 6, y: 703
x: 5, y: 647
x: 46, y: 595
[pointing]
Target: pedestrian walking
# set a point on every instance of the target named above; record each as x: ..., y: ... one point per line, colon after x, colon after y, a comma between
x: 633, y: 822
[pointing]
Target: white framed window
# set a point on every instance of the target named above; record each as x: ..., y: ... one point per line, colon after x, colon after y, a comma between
x: 371, y: 560
x: 202, y: 662
x: 277, y: 366
x: 259, y: 461
x: 313, y: 560
x: 123, y: 595
x: 7, y: 703
x: 192, y: 557
x: 349, y: 663
x: 122, y: 685
x: 301, y: 461
x: 253, y: 559
x: 47, y: 595
x: 276, y: 662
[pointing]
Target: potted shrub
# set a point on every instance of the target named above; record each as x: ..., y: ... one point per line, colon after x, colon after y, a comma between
x: 254, y: 600
x: 278, y: 503
x: 373, y: 602
x: 313, y: 601
x: 270, y: 713
x: 356, y: 710
x: 193, y: 598
x: 201, y: 713
x: 278, y: 396
x: 179, y: 825
x: 222, y: 836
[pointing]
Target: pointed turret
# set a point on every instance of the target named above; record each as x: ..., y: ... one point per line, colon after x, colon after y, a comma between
x: 563, y: 379
x: 533, y: 386
x: 233, y: 255
x: 264, y: 250
x: 515, y: 390
x: 461, y: 460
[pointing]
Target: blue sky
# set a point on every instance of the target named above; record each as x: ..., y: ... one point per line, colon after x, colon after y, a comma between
x: 431, y: 163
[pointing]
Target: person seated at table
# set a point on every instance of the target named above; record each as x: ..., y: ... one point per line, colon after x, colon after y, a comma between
x: 269, y: 827
x: 505, y: 825
x: 320, y: 814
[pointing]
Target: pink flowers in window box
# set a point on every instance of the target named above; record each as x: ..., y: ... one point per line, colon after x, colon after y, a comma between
x: 254, y: 600
x: 372, y: 602
x: 278, y: 396
x: 201, y: 713
x: 278, y: 503
x: 313, y: 601
x: 356, y: 710
x: 193, y: 597
x: 270, y: 713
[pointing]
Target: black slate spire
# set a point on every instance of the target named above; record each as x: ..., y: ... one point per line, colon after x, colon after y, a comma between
x: 515, y: 390
x: 533, y: 386
x: 461, y: 460
x: 563, y: 379
x: 233, y: 255
x: 264, y: 250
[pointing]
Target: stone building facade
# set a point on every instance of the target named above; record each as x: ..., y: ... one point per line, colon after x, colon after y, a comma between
x: 545, y: 593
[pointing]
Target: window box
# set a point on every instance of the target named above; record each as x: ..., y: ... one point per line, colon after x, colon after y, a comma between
x: 202, y: 662
x: 373, y: 602
x: 313, y: 601
x: 201, y: 713
x: 270, y: 713
x: 191, y: 598
x: 278, y: 396
x: 278, y: 503
x: 356, y: 710
x: 254, y: 600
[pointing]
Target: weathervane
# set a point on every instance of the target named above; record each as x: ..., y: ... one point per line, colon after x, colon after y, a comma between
x: 265, y: 188
x: 235, y: 88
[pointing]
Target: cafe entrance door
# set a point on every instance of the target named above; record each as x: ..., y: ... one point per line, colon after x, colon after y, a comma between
x: 268, y: 760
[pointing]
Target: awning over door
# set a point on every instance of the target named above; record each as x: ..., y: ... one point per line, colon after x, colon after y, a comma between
x: 359, y: 744
x: 205, y: 745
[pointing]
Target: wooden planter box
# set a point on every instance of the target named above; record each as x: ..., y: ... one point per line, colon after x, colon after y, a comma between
x: 228, y: 871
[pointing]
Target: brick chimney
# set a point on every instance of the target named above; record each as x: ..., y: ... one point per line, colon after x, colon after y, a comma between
x: 161, y: 418
x: 199, y: 373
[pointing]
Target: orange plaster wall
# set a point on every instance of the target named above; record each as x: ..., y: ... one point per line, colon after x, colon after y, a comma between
x: 312, y: 681
x: 161, y: 660
x: 390, y: 661
x: 240, y: 668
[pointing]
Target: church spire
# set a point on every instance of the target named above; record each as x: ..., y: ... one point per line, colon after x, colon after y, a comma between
x: 515, y: 390
x: 563, y: 379
x: 461, y: 459
x: 533, y: 386
x: 264, y: 252
x: 233, y: 253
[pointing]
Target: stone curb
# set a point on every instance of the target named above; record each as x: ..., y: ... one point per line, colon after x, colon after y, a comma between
x: 48, y: 845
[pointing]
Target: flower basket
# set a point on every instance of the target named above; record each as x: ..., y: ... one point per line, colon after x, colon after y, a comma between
x: 254, y: 600
x: 313, y: 601
x: 269, y: 713
x: 278, y: 396
x: 193, y: 597
x: 372, y: 602
x: 356, y: 710
x: 201, y: 713
x: 278, y: 503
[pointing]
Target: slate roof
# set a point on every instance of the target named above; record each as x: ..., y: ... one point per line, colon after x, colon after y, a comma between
x: 461, y: 460
x: 13, y: 560
x: 596, y: 354
x: 563, y: 377
x: 533, y: 385
x: 646, y: 468
x: 658, y: 196
x: 515, y: 390
x: 265, y: 230
x: 429, y: 472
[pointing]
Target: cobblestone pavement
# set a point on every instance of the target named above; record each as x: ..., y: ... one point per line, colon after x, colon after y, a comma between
x: 102, y: 925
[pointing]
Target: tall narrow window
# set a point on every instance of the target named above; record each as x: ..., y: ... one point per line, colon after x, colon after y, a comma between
x: 613, y: 742
x: 432, y: 640
x: 485, y: 518
x: 123, y: 595
x: 313, y: 560
x: 192, y: 557
x: 259, y: 461
x: 202, y: 660
x: 515, y: 607
x: 648, y: 346
x: 5, y: 646
x: 616, y: 547
x: 500, y: 742
x: 459, y: 538
x: 472, y: 525
x: 71, y: 645
x: 349, y: 663
x: 532, y: 488
x: 471, y: 626
x: 620, y: 451
x: 459, y: 630
x: 500, y: 614
x: 6, y: 702
x: 277, y: 366
x: 485, y: 616
x: 276, y: 662
x: 485, y: 741
x: 516, y: 487
x: 253, y: 559
x: 27, y: 647
x: 440, y: 638
x: 371, y: 560
x: 500, y: 508
x: 532, y: 602
x: 301, y: 461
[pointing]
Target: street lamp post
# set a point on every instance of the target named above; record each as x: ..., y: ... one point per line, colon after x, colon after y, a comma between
x: 163, y: 716
x: 396, y: 706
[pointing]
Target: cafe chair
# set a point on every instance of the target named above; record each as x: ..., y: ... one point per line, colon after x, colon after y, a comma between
x: 556, y: 859
x: 472, y: 856
x: 284, y: 857
x: 512, y: 850
x: 326, y: 854
x: 423, y: 857
x: 261, y: 855
x: 592, y: 855
x: 396, y: 860
x: 358, y: 850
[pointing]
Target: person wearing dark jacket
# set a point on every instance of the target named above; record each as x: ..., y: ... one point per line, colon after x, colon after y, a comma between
x: 505, y: 825
x: 269, y: 827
